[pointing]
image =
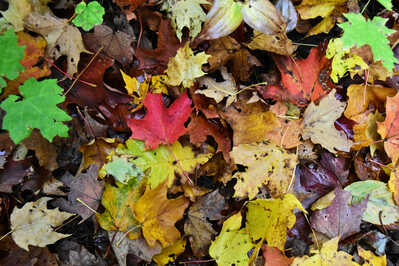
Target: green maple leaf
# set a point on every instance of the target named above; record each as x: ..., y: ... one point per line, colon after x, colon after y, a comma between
x: 12, y: 53
x: 88, y: 15
x: 161, y: 163
x: 186, y: 13
x: 358, y: 32
x: 37, y: 109
x: 123, y: 170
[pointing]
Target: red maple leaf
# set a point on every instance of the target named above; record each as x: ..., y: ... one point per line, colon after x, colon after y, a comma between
x: 303, y: 80
x: 161, y: 125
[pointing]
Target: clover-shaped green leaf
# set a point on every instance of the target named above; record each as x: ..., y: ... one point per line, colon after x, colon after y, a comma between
x: 88, y: 15
x: 12, y: 53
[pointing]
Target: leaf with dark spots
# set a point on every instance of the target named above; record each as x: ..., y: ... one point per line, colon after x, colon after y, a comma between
x: 339, y: 219
x: 83, y: 188
x: 167, y: 47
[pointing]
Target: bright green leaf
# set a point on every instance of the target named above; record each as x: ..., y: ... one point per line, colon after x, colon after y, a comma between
x: 123, y: 170
x: 232, y: 245
x: 358, y: 32
x: 380, y: 205
x: 386, y: 3
x: 186, y: 13
x: 12, y: 53
x: 88, y: 15
x: 37, y: 109
x: 163, y: 162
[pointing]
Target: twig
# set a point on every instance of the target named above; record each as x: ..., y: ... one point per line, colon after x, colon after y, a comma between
x: 87, y: 206
x: 1, y: 238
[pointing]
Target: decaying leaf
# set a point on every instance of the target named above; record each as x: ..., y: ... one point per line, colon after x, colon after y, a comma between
x: 158, y: 215
x: 197, y: 225
x: 319, y: 124
x: 170, y: 253
x: 34, y: 224
x: 62, y: 38
x: 16, y: 12
x: 185, y: 67
x: 271, y: 43
x: 370, y: 258
x: 267, y: 165
x: 269, y: 219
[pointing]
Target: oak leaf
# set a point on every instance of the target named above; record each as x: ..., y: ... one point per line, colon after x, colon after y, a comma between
x: 158, y: 215
x: 269, y: 219
x: 161, y: 125
x: 319, y: 124
x: 34, y: 224
x: 389, y: 129
x: 327, y: 255
x: 232, y: 245
x: 267, y: 164
x: 185, y: 67
x: 162, y: 163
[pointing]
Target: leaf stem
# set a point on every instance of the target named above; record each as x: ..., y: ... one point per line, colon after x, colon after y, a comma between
x: 87, y: 206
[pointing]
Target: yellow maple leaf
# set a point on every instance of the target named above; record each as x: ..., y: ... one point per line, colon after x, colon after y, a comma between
x: 267, y: 164
x: 330, y: 10
x: 343, y: 61
x: 269, y: 219
x: 370, y: 258
x: 139, y: 89
x: 232, y: 245
x: 185, y: 67
x: 158, y: 215
x: 319, y: 124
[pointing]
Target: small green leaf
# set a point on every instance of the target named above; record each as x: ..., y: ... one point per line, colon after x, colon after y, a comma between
x: 37, y: 109
x: 88, y: 15
x: 358, y: 32
x: 12, y: 53
x: 123, y: 170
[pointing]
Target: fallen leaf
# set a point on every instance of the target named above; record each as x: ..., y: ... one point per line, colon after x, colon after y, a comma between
x: 170, y: 253
x: 327, y: 255
x: 339, y: 219
x: 389, y: 129
x: 122, y: 170
x: 129, y: 5
x: 242, y: 63
x: 220, y: 90
x: 164, y: 162
x: 83, y: 188
x: 269, y: 219
x: 274, y: 257
x: 197, y: 226
x: 158, y: 215
x: 250, y: 122
x: 267, y: 164
x: 303, y: 80
x: 117, y: 45
x: 221, y: 51
x: 365, y: 134
x: 45, y: 151
x: 370, y: 258
x: 381, y: 209
x: 185, y: 67
x: 119, y: 203
x: 361, y: 96
x: 200, y: 128
x: 278, y: 44
x: 16, y: 13
x: 329, y: 10
x: 167, y: 46
x: 62, y: 38
x: 232, y: 245
x: 96, y: 152
x: 161, y: 124
x: 319, y: 124
x: 34, y: 224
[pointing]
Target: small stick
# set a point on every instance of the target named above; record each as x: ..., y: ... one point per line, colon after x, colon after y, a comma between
x: 84, y: 69
x: 196, y: 261
x: 1, y: 238
x: 87, y: 206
